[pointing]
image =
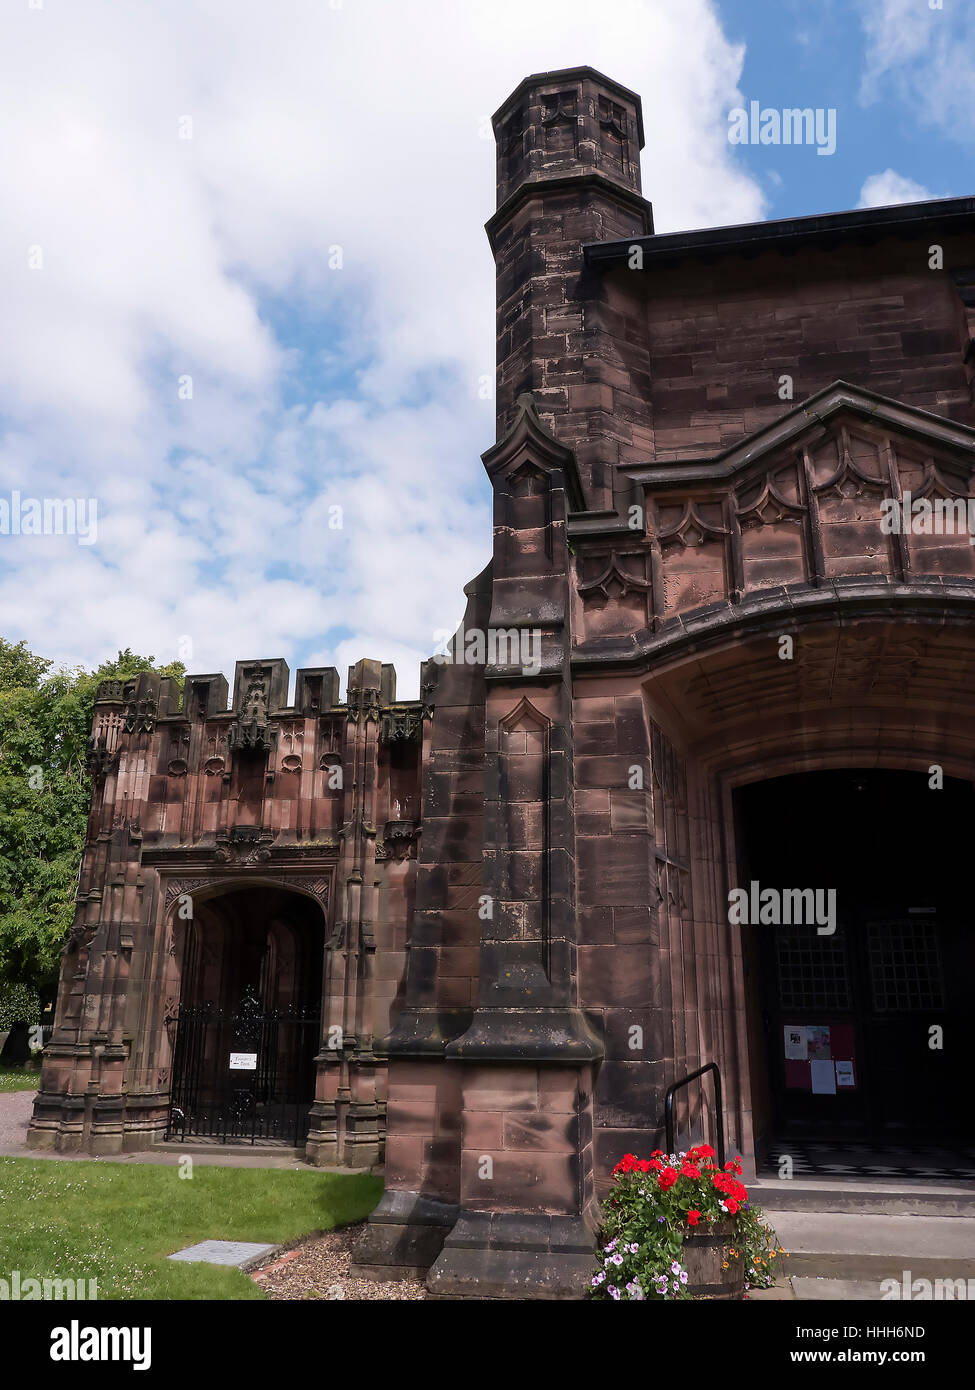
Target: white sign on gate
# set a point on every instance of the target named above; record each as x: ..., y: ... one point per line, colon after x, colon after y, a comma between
x: 243, y: 1061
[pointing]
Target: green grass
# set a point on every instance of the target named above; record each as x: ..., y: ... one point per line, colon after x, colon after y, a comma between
x: 19, y: 1079
x: 117, y: 1222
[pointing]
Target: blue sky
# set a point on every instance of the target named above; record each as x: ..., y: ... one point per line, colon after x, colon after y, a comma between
x: 261, y: 316
x: 840, y: 55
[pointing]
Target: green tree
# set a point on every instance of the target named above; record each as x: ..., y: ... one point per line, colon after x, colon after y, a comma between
x: 45, y: 789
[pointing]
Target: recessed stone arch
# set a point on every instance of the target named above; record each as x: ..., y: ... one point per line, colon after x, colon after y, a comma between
x: 886, y: 689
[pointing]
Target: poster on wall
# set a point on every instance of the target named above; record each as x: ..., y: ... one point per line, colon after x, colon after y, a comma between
x: 819, y: 1057
x: 823, y: 1076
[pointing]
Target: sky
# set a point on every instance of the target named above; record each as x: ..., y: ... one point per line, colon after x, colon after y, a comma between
x: 248, y: 302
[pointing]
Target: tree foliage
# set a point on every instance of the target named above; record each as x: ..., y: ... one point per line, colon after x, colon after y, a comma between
x: 45, y: 789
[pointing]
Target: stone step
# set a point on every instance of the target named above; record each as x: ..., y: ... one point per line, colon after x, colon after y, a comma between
x: 864, y: 1197
x: 282, y: 1151
x: 840, y: 1245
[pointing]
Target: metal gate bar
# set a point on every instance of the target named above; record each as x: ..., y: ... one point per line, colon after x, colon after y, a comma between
x: 266, y: 1098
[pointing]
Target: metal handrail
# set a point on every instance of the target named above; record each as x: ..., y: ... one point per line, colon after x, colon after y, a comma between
x: 669, y: 1106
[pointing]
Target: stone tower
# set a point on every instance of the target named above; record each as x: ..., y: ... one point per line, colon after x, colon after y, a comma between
x: 569, y: 173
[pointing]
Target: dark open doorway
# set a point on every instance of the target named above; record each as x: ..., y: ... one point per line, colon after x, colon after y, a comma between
x: 843, y: 1024
x: 248, y: 1027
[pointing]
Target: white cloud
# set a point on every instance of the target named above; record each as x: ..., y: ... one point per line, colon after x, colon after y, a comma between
x: 360, y: 126
x: 926, y: 57
x: 881, y: 190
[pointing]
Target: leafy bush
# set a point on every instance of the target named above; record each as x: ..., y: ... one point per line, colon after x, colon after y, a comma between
x: 655, y: 1203
x: 45, y: 791
x: 18, y: 1004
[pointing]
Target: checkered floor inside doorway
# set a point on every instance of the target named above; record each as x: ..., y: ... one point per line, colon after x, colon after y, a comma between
x: 872, y: 1160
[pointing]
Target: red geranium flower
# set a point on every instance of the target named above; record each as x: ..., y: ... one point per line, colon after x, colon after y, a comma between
x: 731, y: 1204
x: 693, y: 1217
x: 688, y: 1170
x: 667, y: 1178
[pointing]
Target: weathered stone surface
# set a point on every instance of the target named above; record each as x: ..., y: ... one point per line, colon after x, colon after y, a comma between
x: 517, y: 884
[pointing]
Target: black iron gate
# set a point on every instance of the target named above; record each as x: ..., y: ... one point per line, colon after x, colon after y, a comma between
x: 244, y: 1075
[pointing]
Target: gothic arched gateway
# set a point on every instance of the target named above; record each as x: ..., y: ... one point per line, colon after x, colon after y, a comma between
x: 246, y: 1031
x: 724, y: 639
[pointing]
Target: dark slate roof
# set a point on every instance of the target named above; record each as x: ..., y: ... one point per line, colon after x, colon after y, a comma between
x: 865, y: 225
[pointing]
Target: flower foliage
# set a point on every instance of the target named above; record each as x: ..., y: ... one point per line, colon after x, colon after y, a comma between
x: 655, y: 1203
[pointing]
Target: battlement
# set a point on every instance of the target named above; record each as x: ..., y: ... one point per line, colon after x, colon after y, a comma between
x: 261, y: 685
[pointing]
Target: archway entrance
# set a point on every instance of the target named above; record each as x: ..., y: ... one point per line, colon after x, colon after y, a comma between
x: 859, y: 1017
x: 248, y: 1026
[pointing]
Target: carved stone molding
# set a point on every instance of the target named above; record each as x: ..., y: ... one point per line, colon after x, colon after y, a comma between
x: 399, y: 840
x: 177, y: 887
x: 244, y: 845
x: 615, y: 580
x: 80, y: 937
x: 315, y: 885
x: 100, y: 758
x: 253, y: 728
x: 401, y: 725
x: 693, y: 527
x: 363, y: 704
x: 139, y: 714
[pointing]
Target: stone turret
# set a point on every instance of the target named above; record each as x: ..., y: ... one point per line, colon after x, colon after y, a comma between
x: 569, y: 173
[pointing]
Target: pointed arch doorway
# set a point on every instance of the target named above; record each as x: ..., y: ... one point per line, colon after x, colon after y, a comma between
x: 248, y: 1026
x: 860, y: 1011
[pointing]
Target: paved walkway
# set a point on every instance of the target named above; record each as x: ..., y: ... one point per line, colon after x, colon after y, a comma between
x: 802, y: 1290
x: 15, y: 1113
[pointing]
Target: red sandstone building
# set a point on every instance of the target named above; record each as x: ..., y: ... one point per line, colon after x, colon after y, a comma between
x: 481, y: 934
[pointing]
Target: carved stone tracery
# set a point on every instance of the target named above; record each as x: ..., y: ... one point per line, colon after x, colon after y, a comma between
x: 253, y: 728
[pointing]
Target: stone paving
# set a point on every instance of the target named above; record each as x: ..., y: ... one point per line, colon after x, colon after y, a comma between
x: 15, y: 1109
x: 240, y: 1253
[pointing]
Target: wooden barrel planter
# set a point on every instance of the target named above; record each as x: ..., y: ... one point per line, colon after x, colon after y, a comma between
x: 704, y: 1258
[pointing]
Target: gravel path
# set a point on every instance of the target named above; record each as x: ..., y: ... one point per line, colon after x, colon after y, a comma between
x: 15, y: 1111
x: 318, y: 1268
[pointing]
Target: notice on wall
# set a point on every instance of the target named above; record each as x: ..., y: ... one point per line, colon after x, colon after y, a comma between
x: 243, y: 1061
x: 823, y: 1076
x: 805, y: 1045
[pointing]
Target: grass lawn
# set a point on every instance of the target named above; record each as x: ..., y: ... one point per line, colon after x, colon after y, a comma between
x: 117, y: 1222
x: 19, y: 1079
